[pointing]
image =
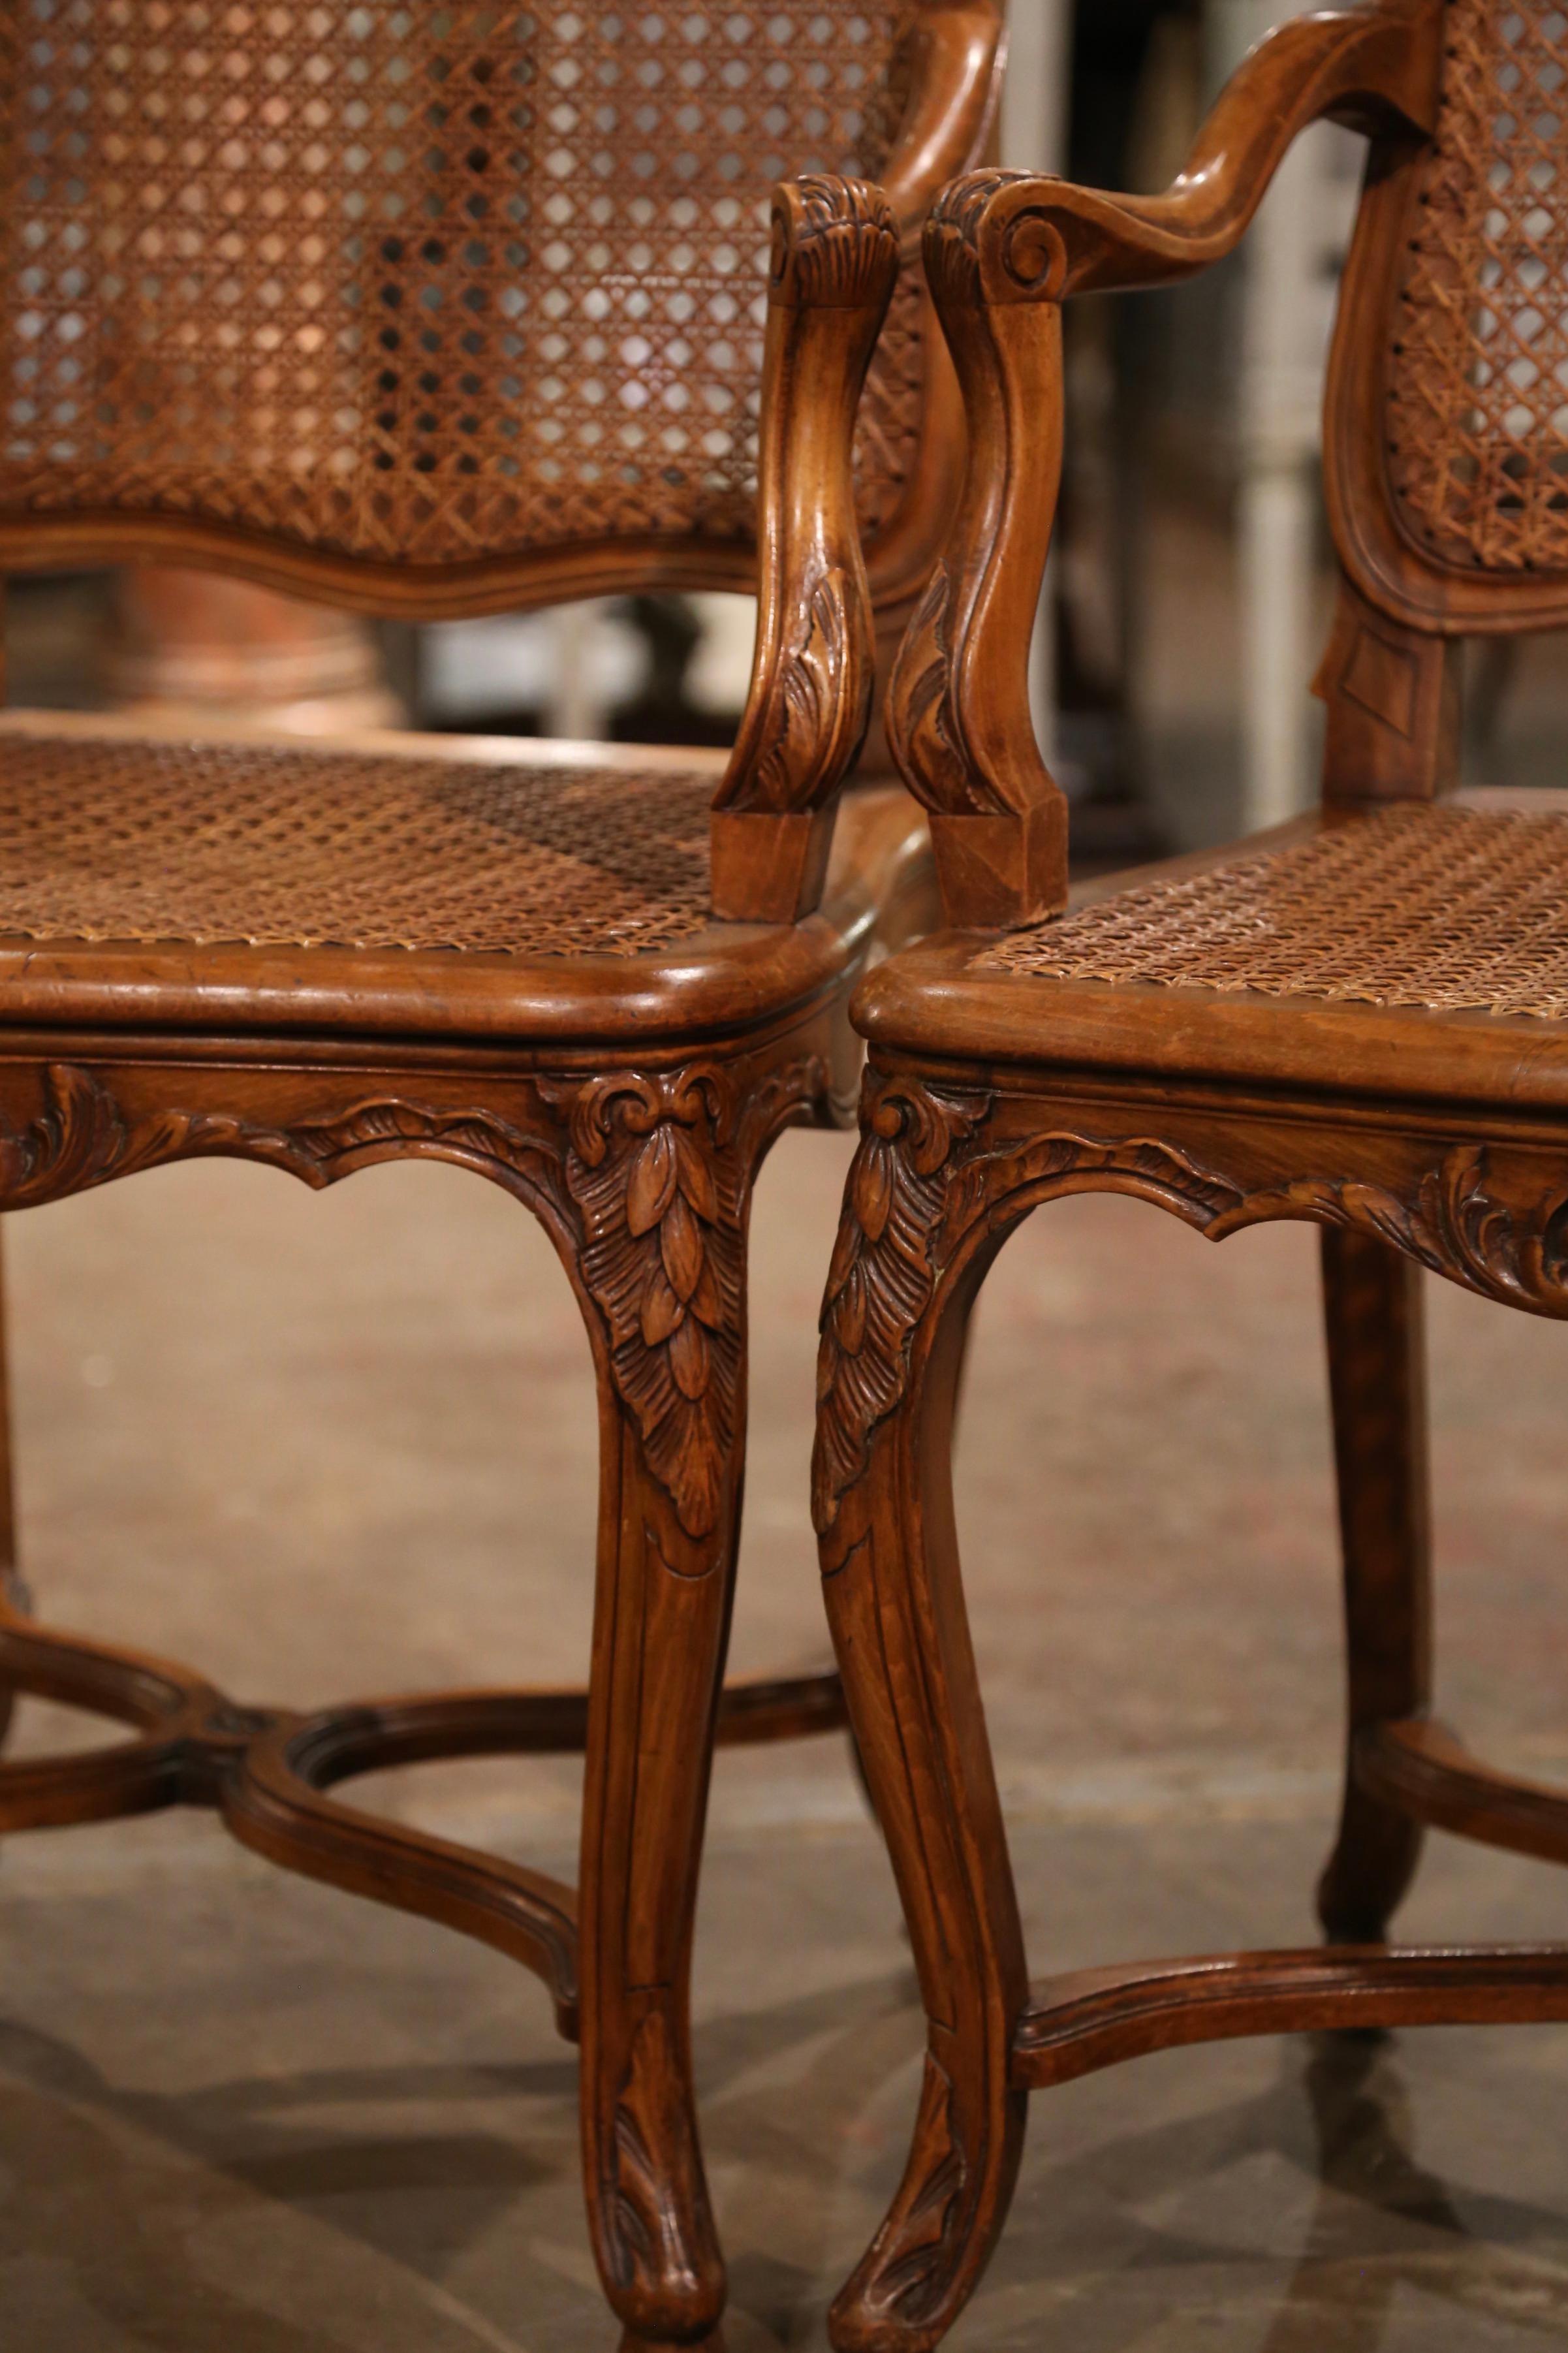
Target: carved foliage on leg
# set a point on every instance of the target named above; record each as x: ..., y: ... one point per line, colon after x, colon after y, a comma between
x: 908, y: 2273
x: 659, y: 1166
x: 883, y: 1272
x: 658, y: 2197
x: 922, y: 1178
x: 661, y: 1258
x: 924, y: 1173
x: 655, y: 1169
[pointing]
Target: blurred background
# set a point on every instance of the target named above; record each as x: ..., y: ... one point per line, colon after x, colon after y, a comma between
x: 1190, y: 589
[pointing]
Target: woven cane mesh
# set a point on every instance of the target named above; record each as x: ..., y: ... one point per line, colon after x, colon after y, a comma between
x: 125, y: 841
x: 1478, y: 407
x: 436, y: 279
x: 1451, y: 908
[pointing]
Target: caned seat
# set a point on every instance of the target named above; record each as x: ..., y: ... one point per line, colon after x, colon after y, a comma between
x: 1409, y: 949
x: 430, y: 884
x: 107, y: 837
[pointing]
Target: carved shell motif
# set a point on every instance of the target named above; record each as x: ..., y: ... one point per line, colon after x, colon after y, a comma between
x: 834, y: 241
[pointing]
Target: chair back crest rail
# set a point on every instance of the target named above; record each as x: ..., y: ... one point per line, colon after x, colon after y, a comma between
x: 1447, y: 419
x: 446, y: 308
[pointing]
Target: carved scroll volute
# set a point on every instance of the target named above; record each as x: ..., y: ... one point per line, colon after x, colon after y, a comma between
x: 835, y: 259
x: 958, y: 711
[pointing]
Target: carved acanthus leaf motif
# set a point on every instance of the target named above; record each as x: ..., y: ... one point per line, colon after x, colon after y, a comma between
x: 1017, y: 249
x: 83, y: 1137
x: 836, y: 241
x: 650, y: 2137
x: 883, y: 1273
x: 918, y: 716
x: 952, y: 244
x: 1453, y: 1225
x: 914, y: 2255
x: 660, y: 1194
x: 910, y: 1202
x: 925, y: 734
x: 819, y: 705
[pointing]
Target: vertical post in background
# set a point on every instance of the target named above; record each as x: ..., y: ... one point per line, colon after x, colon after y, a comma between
x: 1032, y: 138
x: 1281, y: 391
x: 201, y: 646
x: 1293, y: 259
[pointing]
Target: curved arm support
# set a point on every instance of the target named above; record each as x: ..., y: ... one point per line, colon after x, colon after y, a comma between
x: 958, y: 705
x: 955, y: 74
x: 1003, y: 251
x: 1026, y: 239
x: 835, y: 259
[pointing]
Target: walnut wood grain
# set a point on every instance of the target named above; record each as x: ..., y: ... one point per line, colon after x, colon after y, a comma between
x: 1359, y: 1021
x: 1392, y: 695
x: 1004, y: 250
x: 954, y: 1156
x: 642, y: 1176
x: 1423, y: 1771
x: 1098, y: 2017
x: 405, y: 447
x: 1375, y: 65
x: 1375, y: 1331
x: 958, y: 717
x: 836, y: 256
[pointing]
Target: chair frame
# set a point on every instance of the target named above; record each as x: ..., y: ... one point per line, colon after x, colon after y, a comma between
x: 630, y: 1108
x: 1433, y: 1147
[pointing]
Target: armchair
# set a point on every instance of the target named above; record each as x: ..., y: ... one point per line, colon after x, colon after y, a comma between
x: 1360, y: 1019
x: 431, y: 311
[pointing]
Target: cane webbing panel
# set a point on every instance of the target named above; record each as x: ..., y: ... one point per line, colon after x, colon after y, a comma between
x: 1451, y: 908
x: 1477, y: 405
x: 122, y: 840
x: 435, y: 279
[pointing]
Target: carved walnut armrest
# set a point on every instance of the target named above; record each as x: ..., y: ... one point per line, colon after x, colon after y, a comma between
x: 955, y: 82
x: 835, y: 259
x: 1003, y: 250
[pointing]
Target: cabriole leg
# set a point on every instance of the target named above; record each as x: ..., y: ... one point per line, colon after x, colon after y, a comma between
x: 1372, y: 1306
x: 895, y: 1601
x: 663, y: 1621
x: 664, y: 1210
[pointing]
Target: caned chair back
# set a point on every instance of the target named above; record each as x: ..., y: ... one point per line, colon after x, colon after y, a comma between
x: 1448, y: 412
x: 449, y: 302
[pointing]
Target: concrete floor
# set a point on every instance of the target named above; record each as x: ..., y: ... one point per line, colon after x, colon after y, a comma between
x: 339, y: 1444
